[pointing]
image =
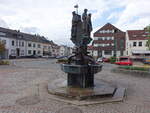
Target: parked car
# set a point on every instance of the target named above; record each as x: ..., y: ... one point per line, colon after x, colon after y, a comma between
x: 106, y: 59
x: 99, y: 60
x: 61, y: 57
x: 124, y: 61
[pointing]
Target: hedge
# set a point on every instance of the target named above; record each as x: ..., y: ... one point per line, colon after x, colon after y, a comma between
x: 134, y: 68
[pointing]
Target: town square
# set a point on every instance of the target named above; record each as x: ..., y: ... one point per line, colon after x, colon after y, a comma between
x: 87, y: 58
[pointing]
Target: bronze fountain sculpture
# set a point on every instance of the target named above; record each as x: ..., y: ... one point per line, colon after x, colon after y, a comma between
x: 81, y: 67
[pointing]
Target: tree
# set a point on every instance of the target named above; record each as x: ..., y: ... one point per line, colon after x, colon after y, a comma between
x: 148, y: 42
x: 2, y: 48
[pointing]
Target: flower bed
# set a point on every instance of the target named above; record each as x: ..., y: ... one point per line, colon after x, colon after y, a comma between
x: 4, y: 62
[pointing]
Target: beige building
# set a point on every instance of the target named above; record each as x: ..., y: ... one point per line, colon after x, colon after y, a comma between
x: 136, y: 43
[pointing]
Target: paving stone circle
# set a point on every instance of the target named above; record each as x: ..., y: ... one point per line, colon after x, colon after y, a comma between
x: 30, y: 100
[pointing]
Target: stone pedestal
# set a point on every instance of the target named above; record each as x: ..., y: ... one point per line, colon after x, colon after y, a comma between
x: 101, y: 89
x: 81, y: 80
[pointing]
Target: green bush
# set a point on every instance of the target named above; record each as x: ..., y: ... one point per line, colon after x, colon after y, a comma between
x: 134, y: 68
x: 2, y: 62
x: 112, y: 59
x: 62, y: 61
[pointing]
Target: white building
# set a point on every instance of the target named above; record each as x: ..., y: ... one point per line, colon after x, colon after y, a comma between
x: 20, y: 44
x: 65, y: 50
x: 136, y: 43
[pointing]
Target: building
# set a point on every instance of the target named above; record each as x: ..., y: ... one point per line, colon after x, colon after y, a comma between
x: 136, y: 43
x: 20, y: 44
x: 108, y: 41
x: 55, y: 50
x: 65, y: 50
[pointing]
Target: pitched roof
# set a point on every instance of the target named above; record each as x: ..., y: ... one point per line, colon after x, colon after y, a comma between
x: 108, y: 26
x: 16, y: 34
x: 137, y: 35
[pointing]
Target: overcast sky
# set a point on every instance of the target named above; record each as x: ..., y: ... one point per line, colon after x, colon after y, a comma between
x: 52, y: 18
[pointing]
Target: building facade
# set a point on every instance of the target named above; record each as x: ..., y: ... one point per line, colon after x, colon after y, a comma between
x: 20, y: 44
x: 136, y: 43
x: 65, y: 50
x: 108, y: 41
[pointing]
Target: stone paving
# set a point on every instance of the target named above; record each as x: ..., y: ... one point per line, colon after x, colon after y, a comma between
x: 21, y: 80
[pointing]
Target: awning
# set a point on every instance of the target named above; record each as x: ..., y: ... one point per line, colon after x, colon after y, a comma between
x: 140, y: 52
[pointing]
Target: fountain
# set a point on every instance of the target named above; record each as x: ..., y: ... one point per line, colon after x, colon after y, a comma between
x: 81, y: 67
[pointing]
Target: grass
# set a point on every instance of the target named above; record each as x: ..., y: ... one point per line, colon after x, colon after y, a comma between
x: 135, y: 68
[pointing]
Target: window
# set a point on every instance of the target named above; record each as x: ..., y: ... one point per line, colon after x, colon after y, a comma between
x: 2, y: 34
x: 22, y: 52
x: 39, y: 52
x: 140, y: 43
x: 99, y: 38
x: 134, y: 44
x: 13, y: 43
x: 39, y: 46
x: 108, y: 52
x: 34, y: 45
x: 16, y: 42
x: 22, y: 44
x: 4, y: 41
x: 29, y: 45
x: 19, y: 43
x: 13, y: 52
x: 29, y: 51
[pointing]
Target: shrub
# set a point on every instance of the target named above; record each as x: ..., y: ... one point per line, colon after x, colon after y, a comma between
x: 134, y: 68
x: 112, y: 59
x: 2, y: 62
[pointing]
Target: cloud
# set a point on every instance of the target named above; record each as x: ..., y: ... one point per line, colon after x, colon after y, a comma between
x: 136, y: 15
x: 3, y: 23
x: 32, y: 30
x: 53, y: 18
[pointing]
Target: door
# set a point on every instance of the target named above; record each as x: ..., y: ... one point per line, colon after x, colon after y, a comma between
x: 34, y: 52
x: 18, y: 52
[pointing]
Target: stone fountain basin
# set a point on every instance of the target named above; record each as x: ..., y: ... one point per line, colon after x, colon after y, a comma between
x: 81, y: 69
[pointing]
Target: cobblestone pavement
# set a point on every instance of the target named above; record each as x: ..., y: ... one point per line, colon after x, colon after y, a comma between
x: 21, y: 81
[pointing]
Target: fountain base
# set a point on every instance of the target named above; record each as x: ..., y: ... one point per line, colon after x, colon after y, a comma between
x: 100, y: 90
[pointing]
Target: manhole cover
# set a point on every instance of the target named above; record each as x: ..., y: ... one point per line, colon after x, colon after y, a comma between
x: 69, y: 110
x: 28, y: 100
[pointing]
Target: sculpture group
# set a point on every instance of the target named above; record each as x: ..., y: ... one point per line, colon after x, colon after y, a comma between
x: 81, y: 28
x: 81, y: 67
